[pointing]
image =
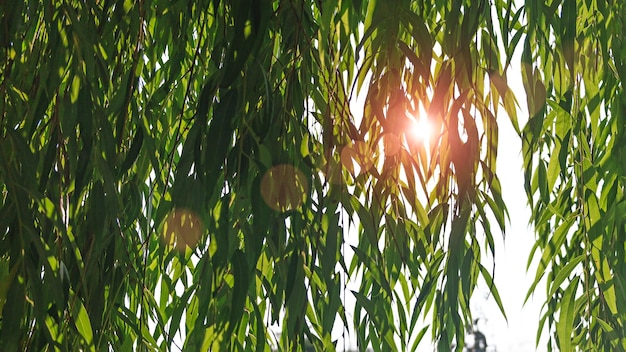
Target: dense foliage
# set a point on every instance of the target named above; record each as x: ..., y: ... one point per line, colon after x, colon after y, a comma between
x: 574, y: 69
x: 196, y: 174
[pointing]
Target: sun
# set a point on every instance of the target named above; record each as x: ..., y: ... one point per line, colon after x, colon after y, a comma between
x: 420, y: 128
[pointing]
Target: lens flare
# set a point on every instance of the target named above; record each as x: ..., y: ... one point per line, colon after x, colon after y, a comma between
x: 284, y: 188
x: 390, y: 144
x: 182, y: 228
x: 421, y: 130
x: 357, y: 158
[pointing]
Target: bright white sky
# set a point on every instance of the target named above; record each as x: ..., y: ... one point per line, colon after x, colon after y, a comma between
x: 511, y: 276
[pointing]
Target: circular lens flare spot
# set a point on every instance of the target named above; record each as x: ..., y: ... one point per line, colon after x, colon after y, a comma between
x: 331, y: 170
x: 182, y: 228
x: 284, y: 188
x: 357, y: 158
x: 390, y: 144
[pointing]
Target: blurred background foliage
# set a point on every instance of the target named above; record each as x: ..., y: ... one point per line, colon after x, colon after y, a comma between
x: 183, y: 174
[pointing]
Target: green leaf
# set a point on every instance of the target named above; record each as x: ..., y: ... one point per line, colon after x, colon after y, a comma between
x: 82, y: 322
x: 366, y: 303
x: 553, y: 167
x: 240, y: 289
x: 550, y: 252
x: 5, y: 282
x: 133, y: 152
x: 493, y: 290
x: 566, y: 316
x: 563, y: 273
x: 373, y: 268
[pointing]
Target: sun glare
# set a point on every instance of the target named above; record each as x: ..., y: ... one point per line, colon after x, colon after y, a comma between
x: 421, y: 129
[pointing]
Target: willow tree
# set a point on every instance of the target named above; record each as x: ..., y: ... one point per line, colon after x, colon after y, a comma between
x: 574, y: 69
x: 184, y: 175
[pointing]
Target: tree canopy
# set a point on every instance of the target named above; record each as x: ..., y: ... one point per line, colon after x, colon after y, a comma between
x: 186, y: 174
